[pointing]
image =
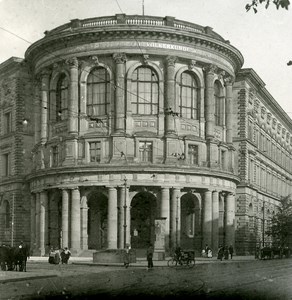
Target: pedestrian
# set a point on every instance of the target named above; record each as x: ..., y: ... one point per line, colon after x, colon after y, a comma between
x: 66, y: 255
x: 220, y: 252
x: 226, y: 252
x: 52, y: 255
x: 127, y: 256
x: 150, y: 251
x: 230, y: 249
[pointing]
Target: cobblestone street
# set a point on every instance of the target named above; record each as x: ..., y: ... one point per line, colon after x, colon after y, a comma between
x: 238, y: 279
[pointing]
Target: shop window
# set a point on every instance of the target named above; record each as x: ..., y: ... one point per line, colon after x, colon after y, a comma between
x: 95, y: 151
x: 145, y: 151
x: 188, y: 106
x: 98, y: 92
x: 145, y: 91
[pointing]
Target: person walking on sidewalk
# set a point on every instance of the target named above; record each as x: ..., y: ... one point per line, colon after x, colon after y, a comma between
x: 230, y: 251
x: 127, y: 256
x: 150, y: 251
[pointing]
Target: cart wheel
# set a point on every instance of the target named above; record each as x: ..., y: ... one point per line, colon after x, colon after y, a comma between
x: 191, y: 263
x: 172, y: 262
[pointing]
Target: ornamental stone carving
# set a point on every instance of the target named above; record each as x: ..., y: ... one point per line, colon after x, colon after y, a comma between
x: 119, y: 58
x: 171, y: 60
x: 192, y: 64
x: 145, y: 59
x: 94, y: 59
x: 228, y: 80
x: 72, y: 62
x: 211, y: 69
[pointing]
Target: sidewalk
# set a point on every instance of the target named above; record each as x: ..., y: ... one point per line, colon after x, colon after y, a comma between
x: 12, y: 276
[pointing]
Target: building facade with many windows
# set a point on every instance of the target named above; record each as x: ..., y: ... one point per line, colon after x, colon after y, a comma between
x: 136, y: 130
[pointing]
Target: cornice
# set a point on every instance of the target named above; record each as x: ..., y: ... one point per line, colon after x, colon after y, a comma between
x: 83, y: 36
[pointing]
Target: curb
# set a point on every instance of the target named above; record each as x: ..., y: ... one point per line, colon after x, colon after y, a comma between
x: 2, y: 281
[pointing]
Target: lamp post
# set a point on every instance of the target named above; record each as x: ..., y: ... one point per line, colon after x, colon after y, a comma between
x: 125, y: 212
x: 263, y: 233
x: 176, y: 222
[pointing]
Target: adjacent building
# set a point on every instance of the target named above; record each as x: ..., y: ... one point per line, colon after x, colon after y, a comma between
x: 135, y: 130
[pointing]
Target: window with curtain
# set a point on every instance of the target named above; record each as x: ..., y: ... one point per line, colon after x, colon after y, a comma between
x: 145, y: 91
x: 193, y: 154
x: 188, y: 106
x: 219, y: 104
x: 98, y: 92
x: 62, y: 98
x: 145, y: 151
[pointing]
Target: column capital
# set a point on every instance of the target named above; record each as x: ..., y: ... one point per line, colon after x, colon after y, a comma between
x: 228, y: 80
x: 119, y: 58
x: 94, y: 59
x: 211, y: 69
x: 171, y: 60
x: 72, y: 62
x: 192, y: 64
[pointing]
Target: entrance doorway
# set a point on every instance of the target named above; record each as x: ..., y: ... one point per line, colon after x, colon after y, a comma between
x: 143, y: 214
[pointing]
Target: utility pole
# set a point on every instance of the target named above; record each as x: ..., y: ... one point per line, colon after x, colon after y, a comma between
x: 125, y: 212
x: 12, y: 222
x: 176, y: 222
x: 263, y: 233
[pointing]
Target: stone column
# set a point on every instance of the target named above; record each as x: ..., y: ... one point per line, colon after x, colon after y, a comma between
x: 120, y: 59
x: 45, y: 81
x: 65, y: 218
x: 121, y: 219
x: 84, y: 223
x: 75, y: 220
x: 32, y: 221
x: 112, y: 219
x: 230, y: 220
x: 221, y: 219
x: 43, y: 222
x: 215, y: 221
x: 170, y: 95
x: 37, y: 222
x: 229, y: 111
x: 38, y: 110
x: 73, y: 100
x: 207, y: 219
x: 210, y: 101
x: 165, y: 213
x: 128, y: 217
x: 174, y: 218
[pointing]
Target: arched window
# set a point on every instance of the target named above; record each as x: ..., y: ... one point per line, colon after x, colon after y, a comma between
x: 145, y: 91
x: 98, y: 92
x: 7, y: 215
x: 62, y: 97
x: 219, y: 104
x: 188, y: 102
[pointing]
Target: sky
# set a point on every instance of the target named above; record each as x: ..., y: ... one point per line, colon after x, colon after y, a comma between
x: 264, y: 39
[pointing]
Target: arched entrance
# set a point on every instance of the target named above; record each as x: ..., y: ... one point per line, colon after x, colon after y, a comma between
x: 143, y: 214
x: 97, y: 220
x: 190, y: 222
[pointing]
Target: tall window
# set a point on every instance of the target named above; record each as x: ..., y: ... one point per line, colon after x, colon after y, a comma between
x: 94, y: 151
x: 98, y: 92
x: 219, y: 104
x: 145, y: 92
x: 7, y: 216
x: 188, y: 106
x: 55, y: 156
x: 7, y: 122
x: 193, y: 154
x: 6, y: 164
x: 62, y: 98
x: 145, y: 151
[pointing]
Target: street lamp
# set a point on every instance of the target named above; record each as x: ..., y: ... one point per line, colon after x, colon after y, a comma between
x: 176, y: 222
x: 263, y: 233
x: 125, y: 212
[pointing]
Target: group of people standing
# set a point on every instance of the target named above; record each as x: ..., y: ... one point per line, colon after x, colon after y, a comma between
x: 225, y: 252
x: 59, y: 255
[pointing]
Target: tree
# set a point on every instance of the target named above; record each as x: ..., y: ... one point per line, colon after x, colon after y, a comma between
x: 281, y: 223
x: 278, y: 3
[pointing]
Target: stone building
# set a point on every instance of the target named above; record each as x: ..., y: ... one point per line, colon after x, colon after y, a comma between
x: 135, y: 130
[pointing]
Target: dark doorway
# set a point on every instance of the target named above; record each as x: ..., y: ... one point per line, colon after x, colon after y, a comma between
x: 97, y: 221
x: 143, y: 214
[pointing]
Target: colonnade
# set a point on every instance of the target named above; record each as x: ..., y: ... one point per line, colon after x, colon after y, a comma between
x: 74, y: 218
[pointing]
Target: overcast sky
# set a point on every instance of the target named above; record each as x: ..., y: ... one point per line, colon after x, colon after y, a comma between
x: 264, y: 39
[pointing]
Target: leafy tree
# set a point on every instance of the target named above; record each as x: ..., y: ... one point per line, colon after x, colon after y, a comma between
x: 281, y: 223
x: 278, y: 3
